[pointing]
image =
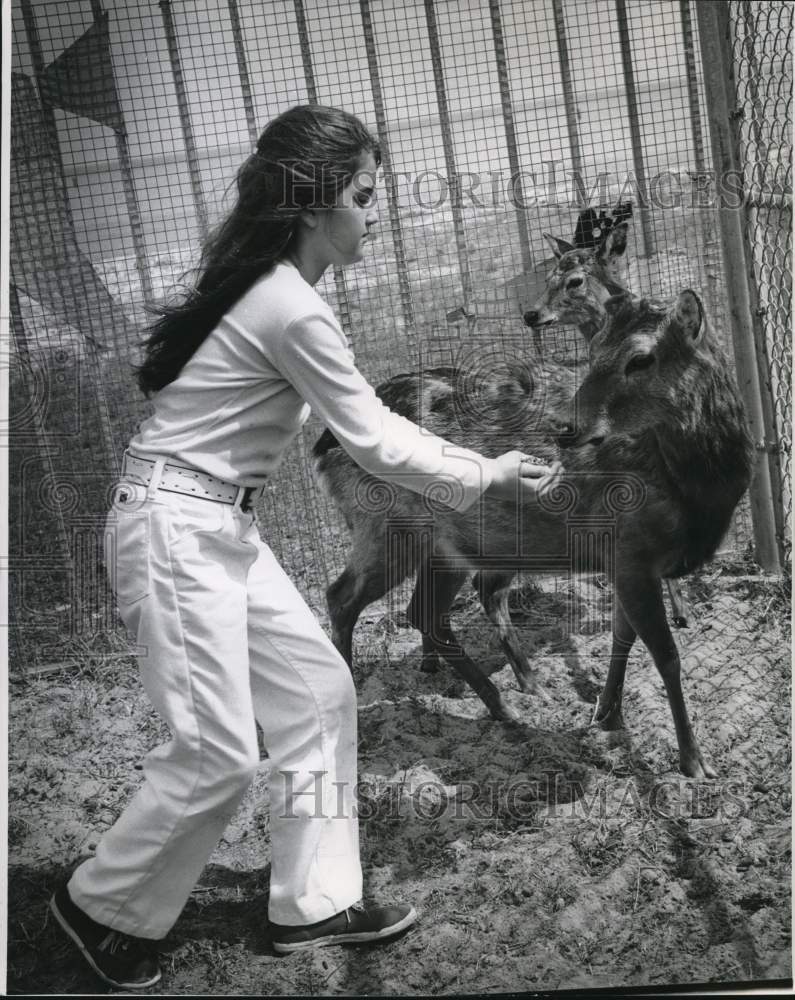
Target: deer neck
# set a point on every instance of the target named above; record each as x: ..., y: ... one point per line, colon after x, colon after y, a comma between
x: 593, y: 325
x: 595, y: 320
x: 602, y: 286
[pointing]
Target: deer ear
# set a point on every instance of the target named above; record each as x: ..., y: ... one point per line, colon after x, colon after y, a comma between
x: 559, y: 247
x: 615, y: 242
x: 689, y: 315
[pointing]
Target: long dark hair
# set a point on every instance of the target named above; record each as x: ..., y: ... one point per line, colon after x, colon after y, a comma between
x: 304, y: 158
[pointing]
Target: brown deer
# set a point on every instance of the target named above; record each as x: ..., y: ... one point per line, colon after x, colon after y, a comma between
x: 584, y: 277
x: 582, y: 280
x: 656, y: 454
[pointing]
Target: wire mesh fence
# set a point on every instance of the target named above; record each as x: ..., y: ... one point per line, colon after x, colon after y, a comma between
x: 761, y: 48
x: 499, y: 121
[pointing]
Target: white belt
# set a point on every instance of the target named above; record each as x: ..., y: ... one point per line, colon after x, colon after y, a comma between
x: 191, y: 482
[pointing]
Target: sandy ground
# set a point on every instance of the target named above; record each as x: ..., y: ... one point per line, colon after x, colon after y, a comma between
x: 544, y: 854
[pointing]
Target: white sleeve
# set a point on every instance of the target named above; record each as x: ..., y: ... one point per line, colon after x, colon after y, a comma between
x: 313, y: 355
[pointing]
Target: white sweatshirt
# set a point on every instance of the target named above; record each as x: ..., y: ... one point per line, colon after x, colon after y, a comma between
x: 278, y: 354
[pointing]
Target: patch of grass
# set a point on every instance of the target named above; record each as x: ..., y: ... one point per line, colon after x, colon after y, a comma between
x: 558, y: 891
x: 581, y: 947
x: 600, y: 849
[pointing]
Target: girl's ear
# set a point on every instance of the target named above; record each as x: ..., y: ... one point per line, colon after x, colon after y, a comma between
x: 309, y: 218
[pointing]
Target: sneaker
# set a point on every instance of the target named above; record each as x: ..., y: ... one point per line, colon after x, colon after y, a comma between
x: 129, y: 963
x: 355, y: 925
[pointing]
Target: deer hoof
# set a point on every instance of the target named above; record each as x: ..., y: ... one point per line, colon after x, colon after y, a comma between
x: 501, y: 713
x: 692, y: 764
x: 532, y: 686
x: 608, y: 717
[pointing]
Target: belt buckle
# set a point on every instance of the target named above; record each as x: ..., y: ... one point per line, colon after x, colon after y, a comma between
x: 248, y: 493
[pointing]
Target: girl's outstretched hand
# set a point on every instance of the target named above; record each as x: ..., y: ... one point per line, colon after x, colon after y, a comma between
x: 519, y: 476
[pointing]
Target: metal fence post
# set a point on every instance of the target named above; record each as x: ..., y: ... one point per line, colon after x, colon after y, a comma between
x: 184, y: 116
x: 343, y: 302
x: 306, y: 52
x: 392, y: 193
x: 131, y: 197
x: 510, y: 133
x: 449, y: 154
x: 740, y: 289
x: 633, y: 113
x: 242, y: 70
x: 569, y: 98
x: 701, y: 177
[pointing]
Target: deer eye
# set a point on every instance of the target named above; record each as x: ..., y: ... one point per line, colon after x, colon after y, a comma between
x: 575, y: 282
x: 639, y: 363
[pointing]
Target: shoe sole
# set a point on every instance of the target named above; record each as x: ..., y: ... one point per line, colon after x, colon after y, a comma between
x: 87, y: 956
x: 362, y: 937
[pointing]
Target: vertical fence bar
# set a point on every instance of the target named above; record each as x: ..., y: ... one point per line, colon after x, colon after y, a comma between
x: 453, y: 178
x: 184, y: 117
x: 134, y: 215
x: 130, y: 195
x: 306, y: 52
x: 634, y: 126
x: 343, y: 302
x: 699, y: 158
x: 740, y: 290
x: 392, y: 193
x: 510, y: 133
x: 242, y: 70
x: 569, y: 101
x: 696, y: 126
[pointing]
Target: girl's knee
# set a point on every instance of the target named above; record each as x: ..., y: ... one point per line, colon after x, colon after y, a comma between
x: 232, y: 766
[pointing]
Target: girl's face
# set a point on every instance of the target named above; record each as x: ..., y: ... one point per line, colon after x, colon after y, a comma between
x: 343, y: 228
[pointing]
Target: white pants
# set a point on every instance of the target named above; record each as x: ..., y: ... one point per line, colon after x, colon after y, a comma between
x: 225, y: 637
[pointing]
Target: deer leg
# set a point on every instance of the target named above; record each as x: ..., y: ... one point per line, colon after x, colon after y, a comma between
x: 493, y: 588
x: 641, y: 599
x: 680, y: 612
x: 430, y: 658
x: 433, y: 595
x: 360, y: 585
x: 345, y: 599
x: 608, y: 706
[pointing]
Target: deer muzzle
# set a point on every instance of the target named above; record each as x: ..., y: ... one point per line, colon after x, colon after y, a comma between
x: 537, y: 318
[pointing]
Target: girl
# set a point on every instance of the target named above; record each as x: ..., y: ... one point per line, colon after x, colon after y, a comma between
x: 224, y: 637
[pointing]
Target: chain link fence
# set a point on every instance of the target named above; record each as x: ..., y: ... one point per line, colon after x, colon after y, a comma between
x: 761, y: 40
x: 500, y: 121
